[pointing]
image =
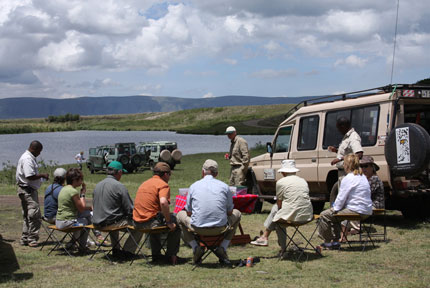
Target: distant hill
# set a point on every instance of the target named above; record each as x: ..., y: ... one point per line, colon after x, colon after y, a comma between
x: 27, y: 107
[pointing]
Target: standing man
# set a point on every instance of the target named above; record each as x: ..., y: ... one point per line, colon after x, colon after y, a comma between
x: 351, y: 144
x: 151, y: 209
x: 209, y: 211
x: 28, y: 180
x: 112, y: 206
x: 79, y: 158
x: 239, y: 157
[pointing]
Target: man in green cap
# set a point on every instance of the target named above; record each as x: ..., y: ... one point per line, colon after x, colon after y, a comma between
x: 112, y: 206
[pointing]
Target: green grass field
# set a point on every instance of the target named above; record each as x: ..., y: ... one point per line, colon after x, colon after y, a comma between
x: 263, y: 119
x: 402, y: 262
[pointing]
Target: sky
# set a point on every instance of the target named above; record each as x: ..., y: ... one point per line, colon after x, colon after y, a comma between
x: 200, y: 49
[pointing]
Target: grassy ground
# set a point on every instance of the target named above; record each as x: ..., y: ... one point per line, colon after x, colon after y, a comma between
x: 402, y: 262
x: 264, y: 120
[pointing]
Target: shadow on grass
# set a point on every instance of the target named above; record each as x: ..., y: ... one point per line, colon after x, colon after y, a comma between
x: 15, y: 277
x: 398, y: 221
x: 9, y: 264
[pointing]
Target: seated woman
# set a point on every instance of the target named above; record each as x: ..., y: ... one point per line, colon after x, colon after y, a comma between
x: 369, y: 167
x: 353, y: 197
x: 51, y: 195
x: 70, y: 202
x: 293, y: 204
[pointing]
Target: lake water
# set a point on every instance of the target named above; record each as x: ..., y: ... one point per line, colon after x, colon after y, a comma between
x: 61, y: 147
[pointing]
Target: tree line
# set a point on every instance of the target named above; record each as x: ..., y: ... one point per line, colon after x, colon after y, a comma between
x: 64, y: 118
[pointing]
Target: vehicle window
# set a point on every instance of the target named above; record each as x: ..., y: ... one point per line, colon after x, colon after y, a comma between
x: 133, y: 150
x: 308, y: 132
x: 282, y: 142
x: 100, y: 152
x: 154, y: 148
x: 112, y: 151
x: 419, y: 114
x: 162, y: 148
x: 363, y: 119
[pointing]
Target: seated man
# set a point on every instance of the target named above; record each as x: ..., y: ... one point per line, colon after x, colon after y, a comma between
x: 151, y: 209
x: 112, y: 206
x: 293, y: 204
x: 209, y: 211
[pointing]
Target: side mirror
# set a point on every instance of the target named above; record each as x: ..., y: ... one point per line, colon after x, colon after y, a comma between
x: 269, y: 149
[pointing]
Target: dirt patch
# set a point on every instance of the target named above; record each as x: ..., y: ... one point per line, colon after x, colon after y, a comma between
x: 13, y: 200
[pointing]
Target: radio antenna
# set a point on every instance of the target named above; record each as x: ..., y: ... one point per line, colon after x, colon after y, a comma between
x: 395, y: 38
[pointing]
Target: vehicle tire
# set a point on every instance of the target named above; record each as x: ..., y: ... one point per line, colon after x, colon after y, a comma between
x: 136, y: 160
x: 333, y: 193
x: 318, y: 206
x: 414, y: 156
x: 165, y: 155
x: 252, y: 188
x: 124, y: 159
x: 177, y: 155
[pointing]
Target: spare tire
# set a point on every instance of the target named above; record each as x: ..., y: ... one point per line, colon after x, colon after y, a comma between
x: 123, y: 159
x: 165, y: 155
x: 407, y: 149
x: 136, y: 160
x: 176, y: 155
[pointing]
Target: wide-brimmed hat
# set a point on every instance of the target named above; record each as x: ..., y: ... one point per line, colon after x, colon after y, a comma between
x: 117, y: 166
x: 366, y: 159
x: 230, y: 129
x: 288, y: 166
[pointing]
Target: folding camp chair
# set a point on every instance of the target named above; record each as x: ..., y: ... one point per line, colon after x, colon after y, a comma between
x: 371, y: 220
x: 283, y: 225
x: 149, y: 232
x: 68, y: 233
x: 364, y: 229
x: 45, y: 225
x: 124, y: 229
x: 210, y: 242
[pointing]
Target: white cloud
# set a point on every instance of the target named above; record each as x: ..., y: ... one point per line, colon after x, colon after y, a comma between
x: 351, y: 60
x: 208, y: 95
x: 230, y: 61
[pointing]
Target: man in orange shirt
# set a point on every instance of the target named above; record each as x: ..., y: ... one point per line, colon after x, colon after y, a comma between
x: 151, y: 209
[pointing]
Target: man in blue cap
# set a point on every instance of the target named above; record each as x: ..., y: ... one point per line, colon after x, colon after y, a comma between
x: 112, y: 206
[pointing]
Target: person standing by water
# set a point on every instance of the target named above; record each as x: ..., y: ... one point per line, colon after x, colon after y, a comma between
x: 28, y: 181
x: 79, y: 159
x: 239, y: 157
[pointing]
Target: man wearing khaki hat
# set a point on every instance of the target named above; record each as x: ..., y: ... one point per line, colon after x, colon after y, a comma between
x: 151, y: 209
x: 209, y: 211
x: 239, y: 157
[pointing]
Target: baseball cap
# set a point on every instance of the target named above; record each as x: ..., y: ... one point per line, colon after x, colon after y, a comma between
x: 230, y: 129
x: 162, y: 167
x: 210, y: 164
x: 117, y: 166
x: 60, y: 172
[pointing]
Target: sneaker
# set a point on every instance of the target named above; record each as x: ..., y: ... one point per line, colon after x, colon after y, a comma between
x: 99, y: 241
x: 260, y: 242
x: 222, y: 256
x: 90, y: 243
x: 198, y: 253
x: 33, y: 244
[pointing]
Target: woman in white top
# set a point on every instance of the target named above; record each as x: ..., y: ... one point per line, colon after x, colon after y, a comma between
x: 354, y: 197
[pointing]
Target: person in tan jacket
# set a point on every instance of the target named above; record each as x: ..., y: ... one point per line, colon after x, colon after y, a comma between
x: 239, y: 157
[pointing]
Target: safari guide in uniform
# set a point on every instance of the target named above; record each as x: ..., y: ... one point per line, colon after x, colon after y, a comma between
x: 239, y: 157
x: 28, y: 180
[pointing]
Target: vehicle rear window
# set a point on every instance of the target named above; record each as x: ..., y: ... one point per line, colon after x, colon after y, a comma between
x: 363, y: 119
x: 308, y: 133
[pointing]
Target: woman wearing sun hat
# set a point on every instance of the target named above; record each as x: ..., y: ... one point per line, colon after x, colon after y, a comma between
x: 293, y: 203
x: 369, y: 167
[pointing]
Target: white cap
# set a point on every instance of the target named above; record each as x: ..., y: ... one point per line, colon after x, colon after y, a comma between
x: 210, y: 164
x: 230, y: 129
x: 288, y: 166
x: 60, y: 172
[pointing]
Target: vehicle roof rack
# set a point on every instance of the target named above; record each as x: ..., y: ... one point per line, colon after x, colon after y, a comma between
x: 351, y: 95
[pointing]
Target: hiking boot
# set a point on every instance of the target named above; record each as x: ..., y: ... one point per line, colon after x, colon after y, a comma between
x: 222, y: 256
x: 198, y: 253
x: 260, y: 242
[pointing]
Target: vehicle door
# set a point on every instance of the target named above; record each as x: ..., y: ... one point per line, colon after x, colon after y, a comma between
x: 304, y: 149
x: 96, y: 158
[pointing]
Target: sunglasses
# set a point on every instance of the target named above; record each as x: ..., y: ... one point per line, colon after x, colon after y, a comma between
x: 365, y: 166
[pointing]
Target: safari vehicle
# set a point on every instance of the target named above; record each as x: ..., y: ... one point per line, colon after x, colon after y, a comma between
x: 125, y: 153
x: 393, y: 123
x: 160, y: 151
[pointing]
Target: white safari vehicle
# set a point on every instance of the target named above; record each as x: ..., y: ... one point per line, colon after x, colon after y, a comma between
x: 394, y: 124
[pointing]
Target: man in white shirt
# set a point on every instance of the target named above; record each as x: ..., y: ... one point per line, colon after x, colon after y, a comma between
x: 79, y: 159
x: 28, y: 180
